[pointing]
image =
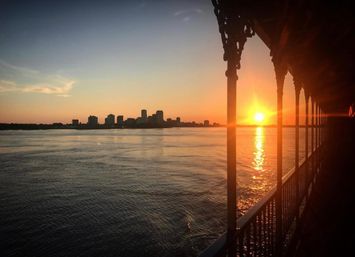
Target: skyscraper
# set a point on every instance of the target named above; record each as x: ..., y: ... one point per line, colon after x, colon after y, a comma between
x: 144, y: 114
x: 120, y: 121
x: 160, y: 117
x: 75, y: 123
x: 93, y: 121
x: 110, y: 121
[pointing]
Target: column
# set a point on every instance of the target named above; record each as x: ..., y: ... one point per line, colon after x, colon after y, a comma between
x: 312, y: 136
x: 297, y: 85
x: 306, y: 139
x: 280, y: 72
x: 316, y: 135
x: 234, y: 29
x: 320, y: 125
x: 231, y: 148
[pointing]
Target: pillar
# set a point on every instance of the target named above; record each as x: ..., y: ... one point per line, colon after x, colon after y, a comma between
x: 306, y: 139
x: 234, y: 30
x: 231, y: 148
x: 297, y: 85
x: 280, y: 72
x: 312, y: 134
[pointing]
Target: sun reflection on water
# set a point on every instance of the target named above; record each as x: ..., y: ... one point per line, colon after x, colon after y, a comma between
x: 259, y: 152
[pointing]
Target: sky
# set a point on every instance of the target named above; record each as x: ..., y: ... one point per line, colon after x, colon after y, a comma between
x: 61, y: 60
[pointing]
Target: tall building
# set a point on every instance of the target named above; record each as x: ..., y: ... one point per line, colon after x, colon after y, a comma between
x: 93, y: 121
x: 206, y: 123
x: 159, y: 117
x: 110, y: 121
x: 120, y: 121
x: 75, y: 123
x: 130, y: 123
x: 144, y: 114
x: 178, y: 120
x: 143, y: 119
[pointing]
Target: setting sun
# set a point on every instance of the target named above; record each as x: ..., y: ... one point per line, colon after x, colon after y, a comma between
x: 258, y: 113
x: 259, y: 117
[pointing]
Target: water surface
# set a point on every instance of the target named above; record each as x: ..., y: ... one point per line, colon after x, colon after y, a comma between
x: 139, y: 192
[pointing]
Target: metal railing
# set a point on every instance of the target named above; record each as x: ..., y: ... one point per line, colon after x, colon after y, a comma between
x: 256, y: 229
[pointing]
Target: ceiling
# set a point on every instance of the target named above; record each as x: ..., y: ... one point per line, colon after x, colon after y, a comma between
x: 316, y: 39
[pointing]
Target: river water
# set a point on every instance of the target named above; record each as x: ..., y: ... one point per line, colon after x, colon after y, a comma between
x: 139, y: 192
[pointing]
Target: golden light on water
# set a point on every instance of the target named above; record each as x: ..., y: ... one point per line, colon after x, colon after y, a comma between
x: 259, y: 152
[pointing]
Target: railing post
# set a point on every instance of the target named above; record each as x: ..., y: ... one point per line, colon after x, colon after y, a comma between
x: 319, y: 131
x: 312, y: 135
x: 323, y: 126
x: 320, y: 137
x: 297, y: 143
x: 307, y: 143
x: 320, y: 125
x: 316, y: 135
x: 234, y: 29
x: 280, y: 72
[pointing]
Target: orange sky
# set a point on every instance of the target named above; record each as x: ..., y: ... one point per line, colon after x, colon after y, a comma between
x: 175, y: 66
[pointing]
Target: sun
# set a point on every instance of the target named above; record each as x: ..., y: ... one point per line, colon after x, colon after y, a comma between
x: 259, y: 117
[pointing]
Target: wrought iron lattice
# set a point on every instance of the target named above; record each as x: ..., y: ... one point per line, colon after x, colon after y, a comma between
x: 234, y: 27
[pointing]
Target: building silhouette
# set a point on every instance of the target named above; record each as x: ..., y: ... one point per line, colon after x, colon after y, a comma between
x: 156, y: 120
x: 93, y: 121
x: 144, y: 116
x: 159, y: 117
x: 130, y: 123
x: 120, y: 122
x: 110, y: 121
x: 75, y: 123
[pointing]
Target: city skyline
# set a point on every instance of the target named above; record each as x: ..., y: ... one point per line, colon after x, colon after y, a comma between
x: 112, y: 121
x: 154, y: 120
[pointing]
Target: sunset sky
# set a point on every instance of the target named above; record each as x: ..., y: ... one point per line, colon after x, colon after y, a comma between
x: 61, y: 60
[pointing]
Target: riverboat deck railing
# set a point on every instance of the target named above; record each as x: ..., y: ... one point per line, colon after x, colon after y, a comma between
x: 267, y: 228
x: 256, y: 229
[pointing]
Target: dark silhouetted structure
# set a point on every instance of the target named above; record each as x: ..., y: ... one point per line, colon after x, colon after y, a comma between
x: 110, y: 121
x: 75, y: 123
x: 93, y: 122
x: 120, y: 122
x: 314, y: 42
x: 159, y: 117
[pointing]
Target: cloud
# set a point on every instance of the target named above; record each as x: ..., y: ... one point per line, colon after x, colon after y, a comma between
x: 33, y: 81
x: 50, y: 89
x: 7, y: 86
x: 186, y: 14
x: 188, y: 11
x: 17, y: 68
x: 186, y: 19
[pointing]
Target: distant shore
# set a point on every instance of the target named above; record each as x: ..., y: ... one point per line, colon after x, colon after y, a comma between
x: 19, y: 126
x: 16, y: 126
